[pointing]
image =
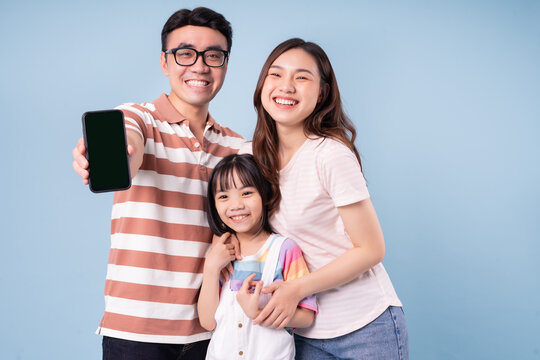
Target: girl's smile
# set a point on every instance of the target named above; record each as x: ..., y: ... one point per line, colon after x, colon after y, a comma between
x: 238, y: 219
x: 239, y: 207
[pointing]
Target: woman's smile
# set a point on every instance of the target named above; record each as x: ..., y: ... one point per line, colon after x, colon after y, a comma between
x: 285, y: 102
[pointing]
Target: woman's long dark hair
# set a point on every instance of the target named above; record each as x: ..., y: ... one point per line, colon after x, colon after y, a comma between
x: 327, y: 120
x: 222, y: 177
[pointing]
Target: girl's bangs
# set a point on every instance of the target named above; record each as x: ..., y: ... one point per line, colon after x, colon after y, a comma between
x: 226, y: 181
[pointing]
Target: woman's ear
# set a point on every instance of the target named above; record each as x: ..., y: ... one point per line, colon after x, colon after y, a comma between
x: 323, y: 92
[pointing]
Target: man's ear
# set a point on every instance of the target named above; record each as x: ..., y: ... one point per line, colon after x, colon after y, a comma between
x: 163, y: 63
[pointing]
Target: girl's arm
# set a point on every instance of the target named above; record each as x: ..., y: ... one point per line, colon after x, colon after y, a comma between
x: 209, y: 298
x: 362, y: 226
x: 219, y: 255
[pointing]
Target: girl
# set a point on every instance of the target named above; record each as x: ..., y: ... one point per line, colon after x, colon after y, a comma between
x: 304, y: 145
x: 238, y: 198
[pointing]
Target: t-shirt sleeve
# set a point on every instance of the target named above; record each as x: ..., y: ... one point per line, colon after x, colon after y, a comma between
x: 133, y: 119
x: 294, y: 266
x: 340, y: 174
x: 246, y: 148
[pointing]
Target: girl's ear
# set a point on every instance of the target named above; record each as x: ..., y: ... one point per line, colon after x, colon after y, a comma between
x: 323, y: 91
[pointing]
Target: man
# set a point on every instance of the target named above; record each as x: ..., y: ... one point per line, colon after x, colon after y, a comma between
x: 159, y: 232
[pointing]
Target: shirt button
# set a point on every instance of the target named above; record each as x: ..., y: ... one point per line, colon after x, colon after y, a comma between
x: 240, y: 353
x: 239, y: 325
x: 197, y: 144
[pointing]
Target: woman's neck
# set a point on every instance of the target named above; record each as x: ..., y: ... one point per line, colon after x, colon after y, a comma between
x: 289, y: 143
x: 251, y: 243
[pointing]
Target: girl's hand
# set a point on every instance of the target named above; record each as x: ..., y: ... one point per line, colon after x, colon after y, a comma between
x: 227, y: 271
x: 249, y: 301
x: 281, y: 307
x: 220, y: 254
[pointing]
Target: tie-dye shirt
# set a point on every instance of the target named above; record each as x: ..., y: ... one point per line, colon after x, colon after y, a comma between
x: 291, y: 265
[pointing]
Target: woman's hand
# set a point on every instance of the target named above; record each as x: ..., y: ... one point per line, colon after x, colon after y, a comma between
x: 247, y: 300
x: 281, y: 307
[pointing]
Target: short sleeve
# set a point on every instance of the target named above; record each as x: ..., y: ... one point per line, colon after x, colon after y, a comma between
x: 246, y: 148
x: 294, y: 266
x: 340, y: 173
x: 133, y: 120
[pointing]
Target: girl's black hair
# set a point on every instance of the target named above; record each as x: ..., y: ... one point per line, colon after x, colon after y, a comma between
x: 246, y: 169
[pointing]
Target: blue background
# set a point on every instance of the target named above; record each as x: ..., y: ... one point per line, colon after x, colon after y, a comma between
x: 445, y: 97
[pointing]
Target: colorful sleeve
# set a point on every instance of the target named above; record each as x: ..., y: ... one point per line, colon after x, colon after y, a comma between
x: 294, y: 267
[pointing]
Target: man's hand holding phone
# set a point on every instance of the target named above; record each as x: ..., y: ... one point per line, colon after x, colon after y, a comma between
x: 107, y: 156
x: 80, y: 162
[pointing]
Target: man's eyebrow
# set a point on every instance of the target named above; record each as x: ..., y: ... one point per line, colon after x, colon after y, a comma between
x: 190, y: 45
x: 296, y: 70
x: 185, y: 45
x: 215, y: 47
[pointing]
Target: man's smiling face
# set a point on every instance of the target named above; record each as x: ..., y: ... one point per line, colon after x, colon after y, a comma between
x: 195, y: 85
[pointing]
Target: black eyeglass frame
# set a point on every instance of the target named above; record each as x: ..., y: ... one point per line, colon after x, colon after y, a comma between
x: 197, y: 54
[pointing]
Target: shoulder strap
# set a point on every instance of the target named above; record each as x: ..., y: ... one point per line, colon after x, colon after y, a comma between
x: 272, y: 260
x: 270, y: 267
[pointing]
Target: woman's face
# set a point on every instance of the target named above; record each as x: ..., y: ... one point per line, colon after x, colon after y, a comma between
x: 291, y: 89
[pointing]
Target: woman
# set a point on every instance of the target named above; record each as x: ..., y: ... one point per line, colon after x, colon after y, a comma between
x: 304, y: 145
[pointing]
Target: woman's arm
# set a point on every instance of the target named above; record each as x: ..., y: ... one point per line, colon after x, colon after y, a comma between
x: 249, y: 302
x: 362, y: 226
x: 302, y: 318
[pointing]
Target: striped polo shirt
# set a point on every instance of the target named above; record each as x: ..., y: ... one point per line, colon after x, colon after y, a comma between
x: 159, y: 231
x: 322, y: 176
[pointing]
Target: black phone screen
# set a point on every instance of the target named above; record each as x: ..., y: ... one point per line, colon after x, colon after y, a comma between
x: 106, y: 150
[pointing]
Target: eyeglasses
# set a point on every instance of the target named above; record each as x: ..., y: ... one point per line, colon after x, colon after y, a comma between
x: 188, y: 56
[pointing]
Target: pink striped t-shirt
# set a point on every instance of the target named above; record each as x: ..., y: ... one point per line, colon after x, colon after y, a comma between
x: 322, y: 176
x: 159, y: 230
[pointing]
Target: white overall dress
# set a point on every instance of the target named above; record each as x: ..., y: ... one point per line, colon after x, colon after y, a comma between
x: 235, y: 336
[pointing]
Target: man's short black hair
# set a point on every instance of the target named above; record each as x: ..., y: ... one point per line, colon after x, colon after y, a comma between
x: 200, y: 16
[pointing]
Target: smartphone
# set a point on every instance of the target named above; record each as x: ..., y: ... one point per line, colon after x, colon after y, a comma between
x: 106, y: 150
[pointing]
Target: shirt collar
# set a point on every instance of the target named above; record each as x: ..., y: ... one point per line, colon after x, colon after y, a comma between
x: 169, y: 113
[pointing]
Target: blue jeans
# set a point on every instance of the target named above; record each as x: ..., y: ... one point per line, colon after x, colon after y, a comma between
x: 120, y: 349
x: 385, y: 338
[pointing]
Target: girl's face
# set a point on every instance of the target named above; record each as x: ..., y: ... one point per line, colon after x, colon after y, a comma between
x: 240, y: 207
x: 291, y: 89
